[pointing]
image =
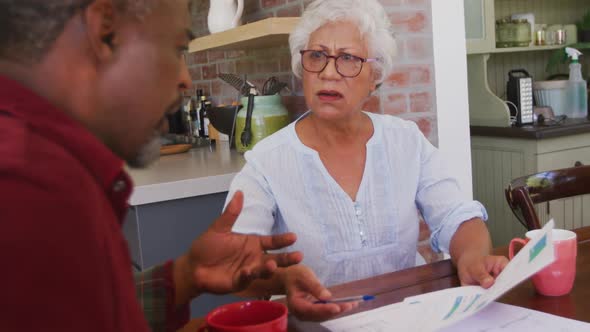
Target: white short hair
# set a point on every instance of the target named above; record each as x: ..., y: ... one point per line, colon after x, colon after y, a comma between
x: 371, y: 19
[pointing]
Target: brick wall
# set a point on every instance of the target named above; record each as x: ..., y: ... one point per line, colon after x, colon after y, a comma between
x: 408, y: 92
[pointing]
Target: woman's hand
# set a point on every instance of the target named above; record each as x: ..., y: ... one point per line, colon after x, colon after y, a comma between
x: 477, y: 269
x: 470, y: 248
x: 303, y: 289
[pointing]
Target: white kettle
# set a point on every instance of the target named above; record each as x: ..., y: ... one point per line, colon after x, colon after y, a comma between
x: 224, y: 15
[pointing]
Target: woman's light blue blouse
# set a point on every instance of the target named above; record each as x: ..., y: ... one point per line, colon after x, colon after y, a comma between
x: 287, y: 189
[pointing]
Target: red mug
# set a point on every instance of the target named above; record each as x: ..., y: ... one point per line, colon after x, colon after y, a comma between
x: 247, y: 316
x: 558, y: 278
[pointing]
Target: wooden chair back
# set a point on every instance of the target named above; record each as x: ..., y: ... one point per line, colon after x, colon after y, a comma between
x: 523, y: 193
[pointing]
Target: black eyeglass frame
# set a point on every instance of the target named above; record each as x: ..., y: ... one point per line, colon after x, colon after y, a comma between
x: 336, y: 57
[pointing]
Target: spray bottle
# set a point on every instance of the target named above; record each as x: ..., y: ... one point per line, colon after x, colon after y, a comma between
x: 577, y: 93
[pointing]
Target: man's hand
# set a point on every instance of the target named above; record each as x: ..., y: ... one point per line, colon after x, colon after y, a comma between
x: 303, y: 289
x: 220, y: 261
x: 477, y: 269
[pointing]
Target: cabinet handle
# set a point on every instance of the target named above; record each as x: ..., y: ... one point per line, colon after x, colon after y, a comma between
x: 578, y: 164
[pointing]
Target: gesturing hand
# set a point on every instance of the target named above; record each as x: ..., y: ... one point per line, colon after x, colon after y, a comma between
x: 303, y: 289
x: 220, y: 261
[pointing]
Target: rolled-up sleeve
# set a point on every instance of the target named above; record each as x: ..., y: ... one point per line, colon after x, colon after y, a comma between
x: 440, y: 199
x: 257, y: 216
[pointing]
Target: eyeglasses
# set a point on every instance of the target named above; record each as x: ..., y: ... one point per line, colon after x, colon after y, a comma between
x: 347, y: 65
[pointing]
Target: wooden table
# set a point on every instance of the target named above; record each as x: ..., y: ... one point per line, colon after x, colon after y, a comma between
x: 394, y: 287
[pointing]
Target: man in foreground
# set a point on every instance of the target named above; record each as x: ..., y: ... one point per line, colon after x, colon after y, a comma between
x: 84, y: 86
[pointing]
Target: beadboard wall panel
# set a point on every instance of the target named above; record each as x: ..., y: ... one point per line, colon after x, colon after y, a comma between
x: 493, y: 170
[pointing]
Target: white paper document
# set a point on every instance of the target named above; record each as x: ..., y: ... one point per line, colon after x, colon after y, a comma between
x: 496, y: 317
x: 500, y: 317
x: 434, y: 311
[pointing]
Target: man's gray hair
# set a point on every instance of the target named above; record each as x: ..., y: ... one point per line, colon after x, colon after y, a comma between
x: 28, y: 28
x: 371, y: 19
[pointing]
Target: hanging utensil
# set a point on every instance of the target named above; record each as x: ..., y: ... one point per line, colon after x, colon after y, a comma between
x: 246, y: 137
x: 273, y: 90
x: 268, y: 84
x: 273, y: 86
x: 236, y: 82
x: 242, y: 85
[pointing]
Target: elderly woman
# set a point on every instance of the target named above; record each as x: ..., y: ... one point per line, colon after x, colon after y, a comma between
x: 347, y: 182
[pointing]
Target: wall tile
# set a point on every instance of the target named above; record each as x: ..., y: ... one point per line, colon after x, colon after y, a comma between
x: 195, y: 73
x: 227, y: 67
x: 290, y: 11
x: 395, y: 104
x: 197, y: 58
x: 425, y: 124
x: 418, y: 48
x: 215, y: 56
x: 268, y: 66
x: 265, y: 4
x: 373, y: 105
x: 245, y: 67
x: 421, y: 102
x: 418, y: 3
x: 415, y: 21
x: 392, y: 3
x: 409, y: 75
x: 209, y: 72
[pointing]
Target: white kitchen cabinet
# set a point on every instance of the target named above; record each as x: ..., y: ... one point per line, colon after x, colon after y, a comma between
x: 498, y: 160
x: 488, y: 66
x: 479, y: 26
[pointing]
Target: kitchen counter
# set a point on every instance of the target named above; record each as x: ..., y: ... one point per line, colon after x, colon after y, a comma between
x: 567, y: 128
x: 201, y: 171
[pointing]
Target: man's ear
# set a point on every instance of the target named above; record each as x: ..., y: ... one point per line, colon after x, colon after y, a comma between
x: 100, y: 18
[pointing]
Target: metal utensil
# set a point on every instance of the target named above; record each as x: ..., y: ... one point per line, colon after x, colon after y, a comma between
x: 242, y: 85
x: 273, y: 90
x: 246, y: 137
x: 273, y: 86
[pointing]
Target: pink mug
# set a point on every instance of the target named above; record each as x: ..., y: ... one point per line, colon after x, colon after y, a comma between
x: 247, y: 316
x: 558, y: 278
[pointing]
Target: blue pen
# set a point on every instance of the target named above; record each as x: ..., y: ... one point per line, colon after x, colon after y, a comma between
x: 359, y: 298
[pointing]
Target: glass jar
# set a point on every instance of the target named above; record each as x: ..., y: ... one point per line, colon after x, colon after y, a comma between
x: 505, y: 33
x: 523, y: 33
x: 513, y: 33
x: 268, y: 116
x: 541, y: 37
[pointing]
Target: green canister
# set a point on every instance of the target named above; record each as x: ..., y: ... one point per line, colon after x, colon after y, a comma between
x: 268, y: 116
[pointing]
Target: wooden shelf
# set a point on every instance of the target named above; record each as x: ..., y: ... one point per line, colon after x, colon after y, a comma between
x: 471, y: 51
x: 527, y: 49
x: 269, y: 32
